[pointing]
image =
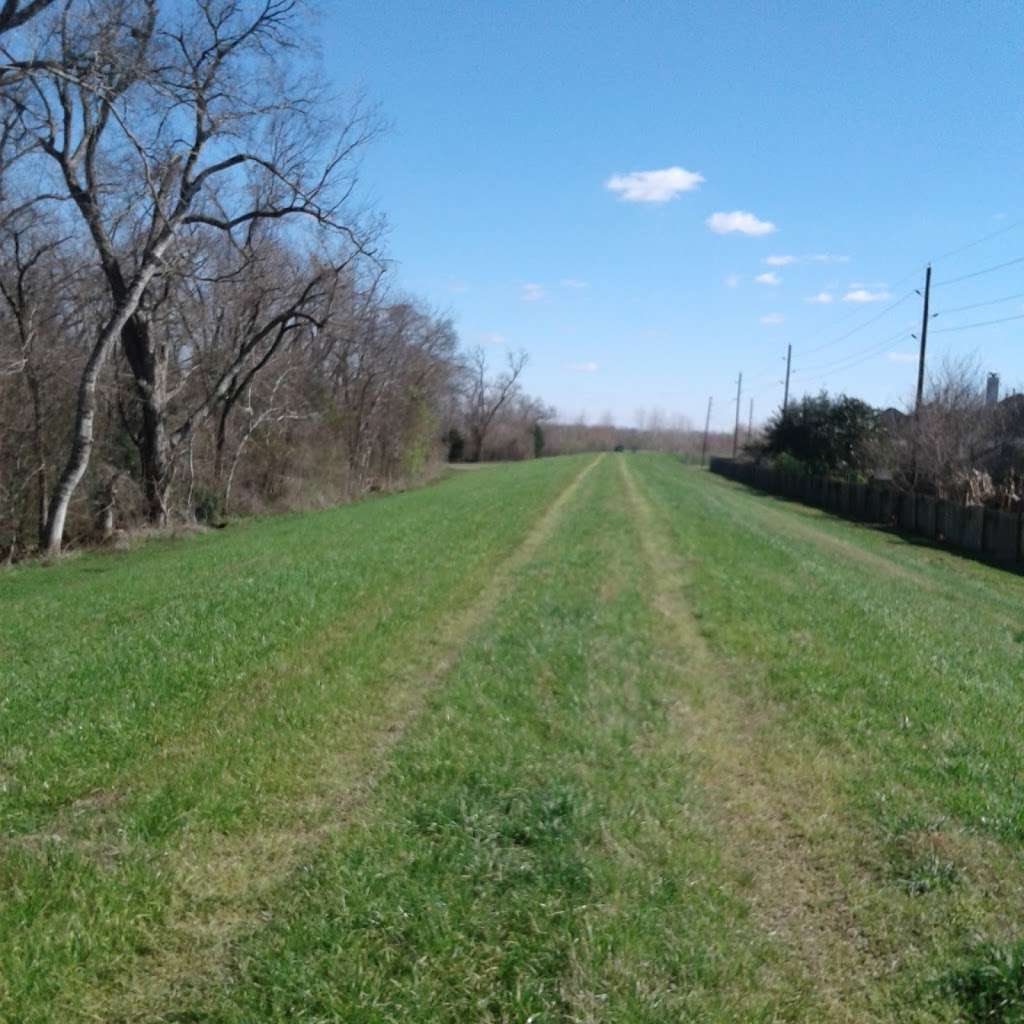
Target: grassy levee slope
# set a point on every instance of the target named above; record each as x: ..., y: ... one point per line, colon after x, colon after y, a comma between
x: 176, y: 721
x: 864, y: 732
x: 591, y: 739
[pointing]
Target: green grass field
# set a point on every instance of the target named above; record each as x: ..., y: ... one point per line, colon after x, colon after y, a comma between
x: 576, y: 740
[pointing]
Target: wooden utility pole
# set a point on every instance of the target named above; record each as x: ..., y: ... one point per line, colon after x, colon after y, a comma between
x: 924, y: 341
x: 736, y: 429
x: 750, y: 421
x: 785, y: 394
x: 707, y: 427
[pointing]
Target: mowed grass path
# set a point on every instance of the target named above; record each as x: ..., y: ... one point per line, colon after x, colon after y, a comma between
x: 588, y: 739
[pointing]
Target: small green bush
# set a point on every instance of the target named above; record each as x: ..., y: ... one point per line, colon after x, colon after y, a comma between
x: 208, y: 505
x: 989, y: 984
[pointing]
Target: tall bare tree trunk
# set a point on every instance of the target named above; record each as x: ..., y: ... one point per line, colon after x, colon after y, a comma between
x: 81, y: 443
x: 39, y: 443
x: 476, y: 450
x: 220, y: 446
x: 83, y: 436
x: 148, y: 362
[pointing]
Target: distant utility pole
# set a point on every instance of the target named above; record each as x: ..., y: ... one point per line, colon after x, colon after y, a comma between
x: 924, y: 340
x: 707, y: 426
x: 750, y: 421
x: 736, y: 429
x: 785, y: 394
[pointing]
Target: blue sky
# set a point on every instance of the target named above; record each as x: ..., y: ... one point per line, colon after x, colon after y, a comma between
x: 870, y: 137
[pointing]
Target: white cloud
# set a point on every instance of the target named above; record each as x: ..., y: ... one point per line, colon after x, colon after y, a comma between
x: 492, y: 338
x: 772, y: 318
x: 901, y: 357
x: 739, y: 220
x: 821, y: 299
x: 813, y: 257
x: 458, y: 287
x: 770, y: 277
x: 588, y: 367
x: 532, y: 292
x: 862, y: 294
x: 573, y: 282
x: 653, y: 186
x: 732, y: 280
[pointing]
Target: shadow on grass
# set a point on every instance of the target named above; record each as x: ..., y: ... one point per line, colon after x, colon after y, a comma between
x: 891, y: 532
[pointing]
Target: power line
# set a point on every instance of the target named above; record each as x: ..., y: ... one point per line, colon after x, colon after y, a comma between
x: 888, y: 309
x: 917, y: 270
x: 863, y: 358
x: 852, y: 313
x: 860, y: 327
x: 901, y: 333
x: 845, y: 363
x: 979, y: 273
x: 981, y: 323
x: 979, y: 305
x: 979, y: 241
x: 843, y: 369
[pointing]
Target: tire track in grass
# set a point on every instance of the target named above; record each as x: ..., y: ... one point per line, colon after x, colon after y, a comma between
x: 227, y: 877
x: 774, y: 810
x: 533, y: 852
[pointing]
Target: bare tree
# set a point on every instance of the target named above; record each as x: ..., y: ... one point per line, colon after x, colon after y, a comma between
x: 951, y: 446
x: 28, y: 283
x: 485, y: 396
x: 14, y: 14
x: 159, y: 129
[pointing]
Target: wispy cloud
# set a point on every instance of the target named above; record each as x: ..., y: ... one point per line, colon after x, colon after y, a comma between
x: 769, y: 277
x: 821, y: 299
x: 901, y: 357
x: 732, y: 280
x: 532, y: 292
x: 740, y: 221
x: 458, y: 287
x: 573, y: 282
x: 653, y: 186
x: 772, y: 318
x: 588, y: 367
x: 492, y: 338
x: 813, y: 257
x: 864, y: 295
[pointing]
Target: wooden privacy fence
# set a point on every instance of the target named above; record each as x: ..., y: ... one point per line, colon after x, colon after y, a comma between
x: 973, y: 528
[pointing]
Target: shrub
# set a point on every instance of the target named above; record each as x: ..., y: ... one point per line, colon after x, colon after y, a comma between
x: 989, y: 985
x: 823, y: 435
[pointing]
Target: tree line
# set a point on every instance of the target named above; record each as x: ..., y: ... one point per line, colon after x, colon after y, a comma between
x: 197, y: 314
x: 960, y: 444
